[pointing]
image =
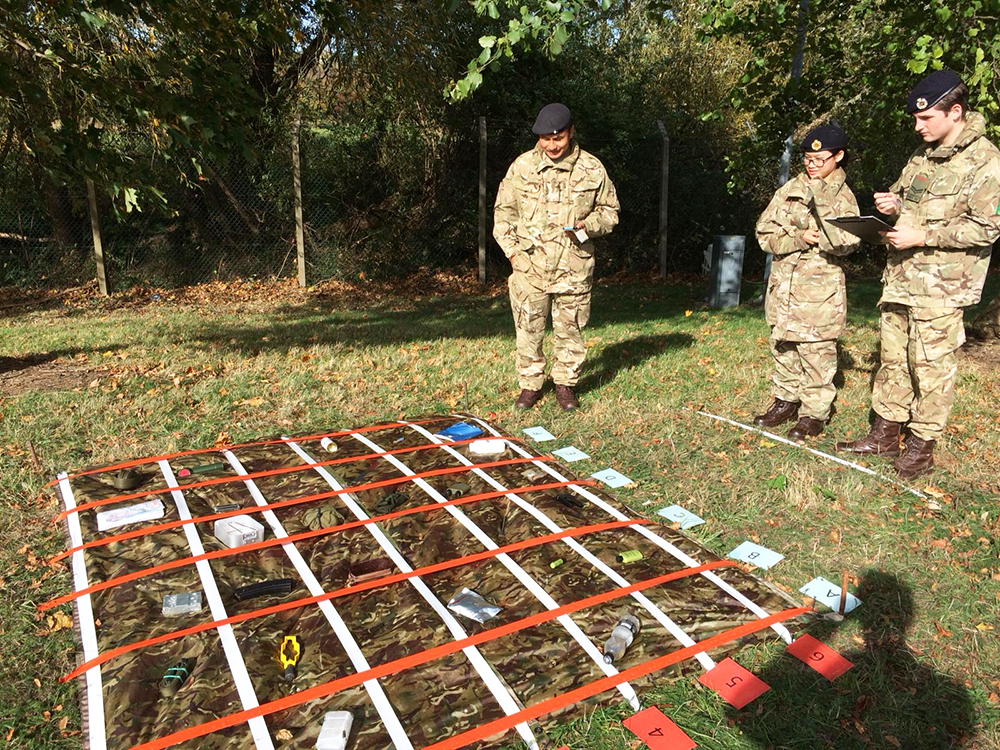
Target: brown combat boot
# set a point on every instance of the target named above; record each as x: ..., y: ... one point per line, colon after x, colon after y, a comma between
x: 566, y: 398
x: 806, y: 427
x: 882, y: 439
x: 779, y: 413
x: 527, y: 399
x: 917, y: 459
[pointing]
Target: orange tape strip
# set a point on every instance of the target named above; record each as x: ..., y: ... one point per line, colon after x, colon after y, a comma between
x: 261, y: 474
x: 423, y: 657
x: 346, y: 590
x: 135, y: 533
x: 215, y: 555
x: 197, y: 451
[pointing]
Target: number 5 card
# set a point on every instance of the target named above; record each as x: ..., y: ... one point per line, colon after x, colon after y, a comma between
x: 736, y: 685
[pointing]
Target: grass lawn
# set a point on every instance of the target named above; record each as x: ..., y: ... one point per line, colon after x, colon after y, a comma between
x: 230, y: 363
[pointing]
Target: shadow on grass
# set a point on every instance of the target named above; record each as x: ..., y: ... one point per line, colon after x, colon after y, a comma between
x: 888, y: 700
x: 625, y: 355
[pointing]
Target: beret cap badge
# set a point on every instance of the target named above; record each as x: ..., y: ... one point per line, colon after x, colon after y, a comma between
x: 921, y: 103
x: 817, y: 144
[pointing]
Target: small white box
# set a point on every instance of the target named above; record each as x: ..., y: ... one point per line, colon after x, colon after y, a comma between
x: 238, y: 530
x: 336, y: 729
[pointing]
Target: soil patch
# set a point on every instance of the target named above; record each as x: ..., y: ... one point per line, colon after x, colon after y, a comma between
x: 982, y: 351
x: 39, y: 373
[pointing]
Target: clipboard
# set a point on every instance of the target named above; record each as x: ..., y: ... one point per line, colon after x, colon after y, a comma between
x: 865, y: 227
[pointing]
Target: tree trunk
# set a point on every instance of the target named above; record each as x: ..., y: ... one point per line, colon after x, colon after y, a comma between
x: 57, y: 204
x: 987, y: 323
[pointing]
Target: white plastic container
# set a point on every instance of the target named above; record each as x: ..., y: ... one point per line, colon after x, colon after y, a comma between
x: 238, y: 530
x: 123, y: 514
x: 175, y: 605
x: 487, y: 447
x: 336, y: 730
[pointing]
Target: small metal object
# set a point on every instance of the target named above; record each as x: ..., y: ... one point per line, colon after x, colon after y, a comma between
x: 457, y: 490
x: 183, y: 603
x: 226, y: 507
x: 629, y: 556
x: 175, y: 677
x: 126, y: 479
x: 277, y: 586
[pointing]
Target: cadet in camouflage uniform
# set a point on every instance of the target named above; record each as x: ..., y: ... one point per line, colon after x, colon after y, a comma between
x: 806, y: 304
x: 553, y: 201
x: 946, y: 201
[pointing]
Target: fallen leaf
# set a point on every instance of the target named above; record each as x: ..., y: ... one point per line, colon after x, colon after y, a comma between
x: 59, y: 621
x: 893, y: 741
x: 283, y: 735
x: 984, y: 627
x: 687, y: 313
x: 942, y: 631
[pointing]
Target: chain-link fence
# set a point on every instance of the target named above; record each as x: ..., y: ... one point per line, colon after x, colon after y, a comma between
x: 376, y: 204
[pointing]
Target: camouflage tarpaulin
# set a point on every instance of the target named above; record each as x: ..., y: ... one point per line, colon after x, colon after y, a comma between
x: 235, y: 667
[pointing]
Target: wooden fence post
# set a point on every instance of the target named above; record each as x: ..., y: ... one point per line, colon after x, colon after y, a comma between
x: 482, y: 200
x: 664, y: 193
x: 95, y: 230
x: 300, y: 239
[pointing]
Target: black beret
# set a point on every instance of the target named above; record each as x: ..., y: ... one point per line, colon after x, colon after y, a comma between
x: 830, y: 137
x: 931, y: 90
x: 551, y: 119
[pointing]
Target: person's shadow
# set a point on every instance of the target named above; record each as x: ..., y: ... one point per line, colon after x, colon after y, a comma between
x: 625, y: 355
x: 889, y: 699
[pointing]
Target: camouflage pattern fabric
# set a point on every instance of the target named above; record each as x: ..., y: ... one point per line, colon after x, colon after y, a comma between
x: 803, y: 372
x: 570, y: 313
x: 807, y: 295
x: 952, y: 192
x: 550, y: 268
x: 915, y: 382
x: 434, y: 701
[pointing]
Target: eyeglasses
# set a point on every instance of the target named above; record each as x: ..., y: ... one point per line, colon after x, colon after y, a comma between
x: 815, y: 161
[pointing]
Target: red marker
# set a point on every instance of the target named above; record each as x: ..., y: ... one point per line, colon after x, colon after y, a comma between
x: 657, y: 731
x: 735, y: 684
x: 819, y: 656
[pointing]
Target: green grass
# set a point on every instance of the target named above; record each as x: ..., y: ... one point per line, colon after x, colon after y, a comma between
x: 242, y: 363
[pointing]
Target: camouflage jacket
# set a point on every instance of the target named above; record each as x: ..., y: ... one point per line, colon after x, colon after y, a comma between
x: 806, y: 293
x: 952, y: 193
x: 536, y: 199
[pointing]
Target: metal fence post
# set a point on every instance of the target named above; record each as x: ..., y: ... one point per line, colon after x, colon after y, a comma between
x: 95, y: 230
x: 482, y: 200
x: 664, y: 192
x: 300, y: 240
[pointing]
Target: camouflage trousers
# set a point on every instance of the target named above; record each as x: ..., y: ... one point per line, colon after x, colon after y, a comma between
x: 915, y: 382
x: 803, y: 372
x: 570, y: 313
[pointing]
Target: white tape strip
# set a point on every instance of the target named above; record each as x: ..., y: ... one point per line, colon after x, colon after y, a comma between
x: 244, y: 688
x: 654, y: 538
x: 88, y: 630
x: 517, y: 571
x: 835, y: 459
x: 479, y: 663
x: 385, y: 710
x: 704, y: 659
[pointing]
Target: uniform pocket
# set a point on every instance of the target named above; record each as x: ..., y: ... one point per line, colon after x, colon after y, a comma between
x: 941, y: 336
x: 528, y: 198
x: 939, y: 203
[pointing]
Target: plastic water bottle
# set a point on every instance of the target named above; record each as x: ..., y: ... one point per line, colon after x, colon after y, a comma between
x: 621, y: 638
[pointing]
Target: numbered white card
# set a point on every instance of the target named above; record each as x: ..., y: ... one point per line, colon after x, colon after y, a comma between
x: 677, y: 514
x: 827, y: 593
x: 612, y: 478
x: 754, y: 554
x: 570, y: 453
x: 539, y: 434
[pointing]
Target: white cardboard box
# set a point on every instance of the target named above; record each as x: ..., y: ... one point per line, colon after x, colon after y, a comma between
x: 236, y: 531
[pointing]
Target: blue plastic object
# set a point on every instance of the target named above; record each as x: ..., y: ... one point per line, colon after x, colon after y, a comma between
x: 461, y: 431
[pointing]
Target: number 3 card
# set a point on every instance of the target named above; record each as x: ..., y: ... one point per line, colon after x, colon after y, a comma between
x: 657, y: 731
x: 736, y: 685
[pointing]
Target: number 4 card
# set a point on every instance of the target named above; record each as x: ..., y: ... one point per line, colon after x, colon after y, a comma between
x: 736, y: 685
x: 819, y: 656
x: 657, y: 731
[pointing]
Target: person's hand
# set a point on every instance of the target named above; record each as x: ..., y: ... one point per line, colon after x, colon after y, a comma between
x: 887, y: 203
x: 903, y: 238
x: 810, y: 236
x: 578, y: 225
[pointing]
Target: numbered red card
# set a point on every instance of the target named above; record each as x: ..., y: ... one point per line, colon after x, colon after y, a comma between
x: 657, y: 731
x: 819, y: 656
x: 736, y: 685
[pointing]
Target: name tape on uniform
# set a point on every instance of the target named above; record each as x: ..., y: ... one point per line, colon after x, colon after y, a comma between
x: 752, y: 553
x: 612, y: 478
x: 736, y: 685
x: 819, y: 656
x: 539, y: 434
x: 828, y: 593
x: 657, y: 731
x: 570, y: 453
x: 677, y: 514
